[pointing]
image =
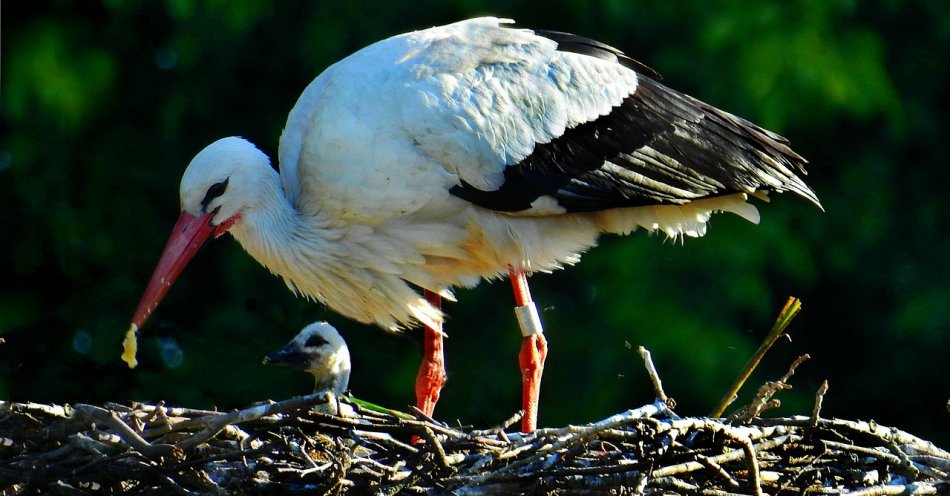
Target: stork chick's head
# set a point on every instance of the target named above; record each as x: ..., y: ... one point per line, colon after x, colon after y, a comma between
x: 320, y: 350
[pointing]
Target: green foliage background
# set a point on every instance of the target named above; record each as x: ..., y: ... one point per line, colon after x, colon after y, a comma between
x: 102, y: 104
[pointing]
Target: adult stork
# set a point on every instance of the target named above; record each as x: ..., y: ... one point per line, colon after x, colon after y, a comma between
x: 437, y: 158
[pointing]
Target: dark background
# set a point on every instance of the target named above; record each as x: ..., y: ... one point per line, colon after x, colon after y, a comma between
x: 102, y: 104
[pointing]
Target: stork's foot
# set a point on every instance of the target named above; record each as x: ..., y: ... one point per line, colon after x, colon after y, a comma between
x: 534, y: 349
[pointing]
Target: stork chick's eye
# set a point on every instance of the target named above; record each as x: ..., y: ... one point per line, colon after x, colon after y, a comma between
x: 215, y: 191
x: 315, y: 341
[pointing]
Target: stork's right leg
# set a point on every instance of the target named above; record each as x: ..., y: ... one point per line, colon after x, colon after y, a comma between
x: 534, y: 348
x: 432, y: 370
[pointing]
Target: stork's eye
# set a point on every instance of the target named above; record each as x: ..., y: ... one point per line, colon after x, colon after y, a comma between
x: 315, y: 341
x: 215, y: 191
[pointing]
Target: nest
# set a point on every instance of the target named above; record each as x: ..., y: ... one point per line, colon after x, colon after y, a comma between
x: 288, y: 447
x: 292, y: 447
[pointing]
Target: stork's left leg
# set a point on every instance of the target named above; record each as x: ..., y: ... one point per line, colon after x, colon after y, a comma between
x: 432, y: 369
x: 534, y: 348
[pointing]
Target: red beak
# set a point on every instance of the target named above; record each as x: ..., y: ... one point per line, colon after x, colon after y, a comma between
x: 189, y: 234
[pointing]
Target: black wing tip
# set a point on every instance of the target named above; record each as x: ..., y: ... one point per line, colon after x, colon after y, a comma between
x: 808, y: 193
x: 566, y: 168
x: 569, y: 42
x: 791, y: 167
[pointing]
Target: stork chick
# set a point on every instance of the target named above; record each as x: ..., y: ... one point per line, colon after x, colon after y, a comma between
x: 320, y: 350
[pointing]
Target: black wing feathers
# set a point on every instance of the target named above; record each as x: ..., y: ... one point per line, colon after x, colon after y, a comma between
x: 567, y: 42
x: 658, y: 146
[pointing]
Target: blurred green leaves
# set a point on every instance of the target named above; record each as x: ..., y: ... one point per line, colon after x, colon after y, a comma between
x: 795, y: 63
x: 237, y: 16
x: 54, y: 78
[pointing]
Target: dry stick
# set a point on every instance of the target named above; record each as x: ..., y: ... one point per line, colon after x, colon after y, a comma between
x: 89, y: 445
x: 729, y: 456
x: 749, y: 450
x: 499, y: 430
x: 819, y: 397
x: 159, y: 410
x: 791, y: 308
x: 654, y: 376
x: 712, y: 465
x: 433, y: 441
x: 794, y: 366
x: 763, y: 397
x: 128, y: 435
x: 905, y: 460
x: 420, y: 415
x: 61, y: 411
x: 176, y: 411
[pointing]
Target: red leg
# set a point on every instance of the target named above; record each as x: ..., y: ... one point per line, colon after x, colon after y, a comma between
x: 432, y: 370
x: 534, y: 349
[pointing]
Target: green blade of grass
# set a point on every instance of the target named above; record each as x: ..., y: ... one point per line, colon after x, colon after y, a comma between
x: 379, y: 409
x: 789, y: 311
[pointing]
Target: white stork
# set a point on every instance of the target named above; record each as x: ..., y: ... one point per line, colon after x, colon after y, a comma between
x: 437, y: 158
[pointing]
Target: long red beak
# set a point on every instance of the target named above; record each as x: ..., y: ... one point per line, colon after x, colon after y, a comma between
x: 189, y: 234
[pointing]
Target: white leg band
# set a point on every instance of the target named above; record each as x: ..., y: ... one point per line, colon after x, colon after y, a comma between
x: 529, y: 320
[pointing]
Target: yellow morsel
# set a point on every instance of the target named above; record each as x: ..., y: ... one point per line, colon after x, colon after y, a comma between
x: 130, y: 346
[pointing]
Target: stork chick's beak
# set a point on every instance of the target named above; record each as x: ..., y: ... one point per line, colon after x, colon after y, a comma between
x: 288, y: 356
x: 189, y: 234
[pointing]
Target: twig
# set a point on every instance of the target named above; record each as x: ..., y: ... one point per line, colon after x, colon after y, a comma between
x: 433, y: 441
x: 763, y: 398
x: 654, y: 377
x: 128, y: 435
x: 420, y: 415
x: 794, y: 366
x: 750, y: 456
x: 819, y: 398
x: 30, y: 407
x: 711, y: 464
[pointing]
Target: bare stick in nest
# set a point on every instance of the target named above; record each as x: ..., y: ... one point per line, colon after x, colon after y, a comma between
x: 819, y: 398
x: 789, y: 311
x: 123, y: 430
x: 655, y: 377
x: 763, y: 398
